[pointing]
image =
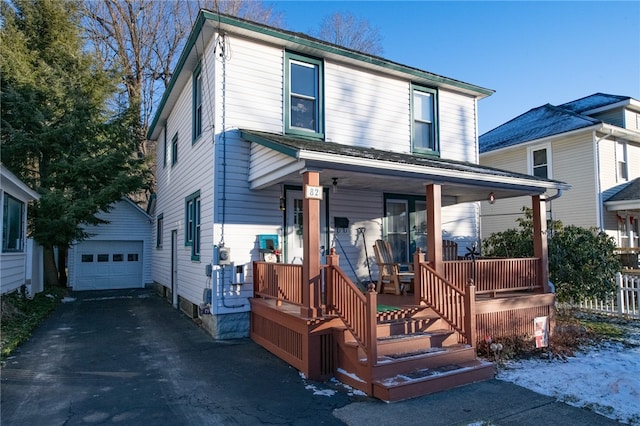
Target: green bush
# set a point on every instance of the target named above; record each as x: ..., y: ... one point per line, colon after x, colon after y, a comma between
x: 582, y: 263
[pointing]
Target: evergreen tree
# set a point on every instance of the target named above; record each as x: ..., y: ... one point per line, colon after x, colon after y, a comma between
x: 57, y: 133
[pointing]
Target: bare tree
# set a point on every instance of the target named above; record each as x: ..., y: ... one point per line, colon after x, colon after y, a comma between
x: 344, y: 29
x: 141, y: 40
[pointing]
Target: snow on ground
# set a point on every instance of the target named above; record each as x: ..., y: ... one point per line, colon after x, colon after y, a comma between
x: 603, y: 378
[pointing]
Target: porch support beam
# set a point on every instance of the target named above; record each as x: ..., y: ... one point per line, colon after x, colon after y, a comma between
x: 311, y: 245
x: 540, y: 239
x: 434, y: 226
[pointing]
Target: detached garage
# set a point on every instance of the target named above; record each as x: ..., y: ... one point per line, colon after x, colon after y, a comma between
x: 117, y: 255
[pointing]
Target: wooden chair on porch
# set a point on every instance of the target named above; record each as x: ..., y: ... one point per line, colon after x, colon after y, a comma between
x: 449, y: 250
x: 391, y: 276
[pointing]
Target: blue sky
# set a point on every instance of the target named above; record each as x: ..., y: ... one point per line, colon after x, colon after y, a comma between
x: 530, y: 53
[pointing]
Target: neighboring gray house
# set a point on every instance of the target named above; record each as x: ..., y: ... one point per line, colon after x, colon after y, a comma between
x: 117, y: 254
x: 18, y: 265
x: 593, y: 144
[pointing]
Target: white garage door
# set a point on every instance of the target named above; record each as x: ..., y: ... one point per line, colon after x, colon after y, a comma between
x: 104, y: 265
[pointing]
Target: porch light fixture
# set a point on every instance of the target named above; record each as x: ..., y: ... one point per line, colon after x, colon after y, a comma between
x: 334, y: 187
x: 491, y: 198
x: 283, y: 205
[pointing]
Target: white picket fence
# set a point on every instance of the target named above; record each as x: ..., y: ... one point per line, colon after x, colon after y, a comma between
x: 625, y: 303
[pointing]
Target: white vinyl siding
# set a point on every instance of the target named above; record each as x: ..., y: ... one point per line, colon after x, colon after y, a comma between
x: 615, y: 117
x: 457, y: 126
x: 365, y: 109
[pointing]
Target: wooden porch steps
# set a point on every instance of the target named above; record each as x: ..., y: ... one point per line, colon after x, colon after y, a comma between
x: 417, y: 354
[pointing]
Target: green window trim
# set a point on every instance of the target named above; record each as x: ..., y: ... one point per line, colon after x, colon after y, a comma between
x: 424, y: 121
x: 192, y: 224
x: 307, y: 96
x: 196, y: 122
x: 159, y: 230
x: 174, y: 150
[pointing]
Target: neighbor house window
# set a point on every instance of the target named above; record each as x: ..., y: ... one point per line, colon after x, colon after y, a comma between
x: 304, y: 113
x: 159, y: 230
x: 540, y: 161
x: 424, y: 124
x: 197, y: 103
x: 192, y: 221
x: 621, y: 159
x: 12, y: 224
x: 174, y: 149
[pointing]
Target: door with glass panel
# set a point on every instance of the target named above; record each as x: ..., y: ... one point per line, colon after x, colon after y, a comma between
x: 405, y: 226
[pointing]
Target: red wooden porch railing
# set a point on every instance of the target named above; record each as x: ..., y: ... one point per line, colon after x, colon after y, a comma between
x: 456, y: 306
x: 494, y: 275
x: 280, y: 281
x: 356, y: 310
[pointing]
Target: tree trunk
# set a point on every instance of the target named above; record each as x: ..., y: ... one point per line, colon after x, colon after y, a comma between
x: 62, y: 266
x: 50, y: 269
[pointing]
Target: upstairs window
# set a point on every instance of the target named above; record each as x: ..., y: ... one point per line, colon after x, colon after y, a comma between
x: 621, y: 159
x: 12, y: 224
x: 159, y: 230
x: 304, y: 113
x: 540, y: 162
x: 192, y: 221
x: 424, y: 125
x: 197, y: 104
x: 174, y: 150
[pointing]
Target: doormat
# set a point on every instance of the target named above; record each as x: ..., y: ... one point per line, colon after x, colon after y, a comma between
x: 386, y: 308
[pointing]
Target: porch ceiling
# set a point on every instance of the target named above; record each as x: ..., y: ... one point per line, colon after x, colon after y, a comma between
x: 392, y: 172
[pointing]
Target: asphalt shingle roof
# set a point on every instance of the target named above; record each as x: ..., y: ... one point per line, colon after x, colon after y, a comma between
x: 630, y: 192
x: 546, y: 120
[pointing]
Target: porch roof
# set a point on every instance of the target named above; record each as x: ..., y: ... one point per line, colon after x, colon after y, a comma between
x: 368, y: 168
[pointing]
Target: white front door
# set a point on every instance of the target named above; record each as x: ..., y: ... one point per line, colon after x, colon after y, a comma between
x: 293, y: 234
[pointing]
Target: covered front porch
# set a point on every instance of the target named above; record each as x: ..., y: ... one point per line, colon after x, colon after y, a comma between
x: 315, y: 317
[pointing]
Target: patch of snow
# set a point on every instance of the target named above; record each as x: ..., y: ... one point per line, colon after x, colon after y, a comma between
x: 67, y: 299
x: 353, y: 376
x: 604, y: 379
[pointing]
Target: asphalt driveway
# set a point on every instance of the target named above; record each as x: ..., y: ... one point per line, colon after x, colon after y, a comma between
x: 128, y: 358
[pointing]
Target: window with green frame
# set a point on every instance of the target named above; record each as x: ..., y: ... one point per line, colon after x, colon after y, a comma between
x: 174, y: 150
x: 192, y: 224
x: 197, y: 104
x: 12, y: 224
x: 405, y: 225
x: 424, y: 102
x: 159, y: 230
x: 304, y: 105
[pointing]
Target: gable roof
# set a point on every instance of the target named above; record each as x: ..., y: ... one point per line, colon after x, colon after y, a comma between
x: 208, y: 23
x: 369, y: 167
x: 549, y: 120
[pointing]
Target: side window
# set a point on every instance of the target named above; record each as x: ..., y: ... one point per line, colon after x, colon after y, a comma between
x: 304, y: 106
x: 12, y: 224
x: 192, y: 224
x: 424, y: 120
x: 164, y: 150
x: 197, y: 104
x: 621, y: 160
x: 540, y: 161
x: 174, y: 150
x: 159, y: 230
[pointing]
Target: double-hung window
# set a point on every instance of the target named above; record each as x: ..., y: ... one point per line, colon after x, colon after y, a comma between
x: 192, y: 224
x: 304, y: 113
x: 174, y: 150
x: 621, y: 159
x: 540, y: 161
x: 197, y: 104
x: 12, y: 224
x: 159, y: 230
x: 424, y: 120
